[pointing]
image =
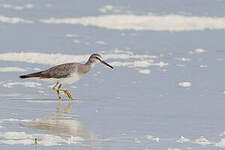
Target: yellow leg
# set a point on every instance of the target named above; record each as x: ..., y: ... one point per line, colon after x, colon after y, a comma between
x: 57, y: 90
x: 60, y: 98
x: 66, y: 92
x: 63, y: 90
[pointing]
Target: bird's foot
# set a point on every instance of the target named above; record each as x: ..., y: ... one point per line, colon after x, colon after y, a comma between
x: 63, y: 90
x: 67, y: 93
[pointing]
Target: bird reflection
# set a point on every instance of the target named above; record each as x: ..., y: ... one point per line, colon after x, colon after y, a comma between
x: 60, y: 123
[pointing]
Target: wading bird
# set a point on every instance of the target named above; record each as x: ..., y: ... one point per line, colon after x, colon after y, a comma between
x: 66, y: 73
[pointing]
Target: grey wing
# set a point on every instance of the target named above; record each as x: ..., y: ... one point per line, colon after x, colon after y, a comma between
x: 60, y: 71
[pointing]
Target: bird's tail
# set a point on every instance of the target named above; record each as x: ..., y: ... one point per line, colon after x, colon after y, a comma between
x: 32, y: 75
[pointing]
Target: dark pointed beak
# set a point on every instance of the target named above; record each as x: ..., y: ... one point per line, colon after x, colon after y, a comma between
x: 106, y: 64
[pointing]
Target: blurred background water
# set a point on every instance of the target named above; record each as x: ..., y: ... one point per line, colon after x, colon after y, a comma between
x: 166, y: 90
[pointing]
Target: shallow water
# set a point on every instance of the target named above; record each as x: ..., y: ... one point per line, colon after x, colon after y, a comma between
x: 166, y: 90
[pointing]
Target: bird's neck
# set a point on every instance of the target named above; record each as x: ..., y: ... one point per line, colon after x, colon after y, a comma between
x: 90, y: 64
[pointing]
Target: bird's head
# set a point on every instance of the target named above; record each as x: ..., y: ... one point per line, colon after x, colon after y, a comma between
x: 96, y: 58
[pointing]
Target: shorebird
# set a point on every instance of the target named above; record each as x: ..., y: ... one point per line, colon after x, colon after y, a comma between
x: 66, y: 73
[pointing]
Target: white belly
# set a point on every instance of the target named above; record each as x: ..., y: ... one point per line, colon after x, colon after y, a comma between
x: 69, y: 80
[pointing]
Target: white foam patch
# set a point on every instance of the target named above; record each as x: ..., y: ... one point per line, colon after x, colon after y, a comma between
x: 76, y: 41
x: 128, y: 55
x: 137, y: 140
x: 141, y: 64
x: 72, y: 35
x: 174, y: 149
x: 152, y: 138
x: 13, y: 120
x: 183, y: 140
x: 15, y: 135
x: 25, y: 84
x: 11, y: 69
x: 12, y: 138
x: 202, y: 141
x: 36, y: 69
x: 197, y: 51
x: 109, y: 8
x: 41, y: 58
x: 184, y: 59
x: 51, y: 140
x: 152, y: 22
x: 101, y: 42
x: 203, y: 66
x: 185, y: 84
x: 223, y: 133
x: 13, y: 20
x: 123, y: 59
x: 13, y: 7
x: 144, y: 71
x: 221, y: 143
x: 106, y: 8
x: 13, y: 142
